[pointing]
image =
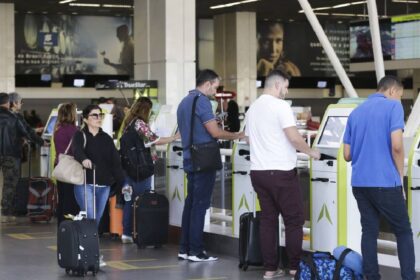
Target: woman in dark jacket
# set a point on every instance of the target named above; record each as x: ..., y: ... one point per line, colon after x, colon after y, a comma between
x: 96, y: 151
x: 64, y: 130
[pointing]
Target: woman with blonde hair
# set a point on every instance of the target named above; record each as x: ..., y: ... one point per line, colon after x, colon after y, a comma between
x: 65, y: 128
x: 138, y: 120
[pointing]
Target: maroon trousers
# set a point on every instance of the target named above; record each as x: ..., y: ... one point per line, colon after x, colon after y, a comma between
x: 279, y: 193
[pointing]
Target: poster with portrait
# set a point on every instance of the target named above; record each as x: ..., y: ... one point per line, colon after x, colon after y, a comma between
x: 64, y: 44
x: 294, y: 48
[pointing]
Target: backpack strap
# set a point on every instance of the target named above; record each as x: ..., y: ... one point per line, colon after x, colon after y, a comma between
x: 339, y: 263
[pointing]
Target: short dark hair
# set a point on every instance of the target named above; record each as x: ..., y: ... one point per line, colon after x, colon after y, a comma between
x: 278, y: 72
x: 206, y: 75
x: 4, y: 98
x: 388, y: 82
x: 90, y: 108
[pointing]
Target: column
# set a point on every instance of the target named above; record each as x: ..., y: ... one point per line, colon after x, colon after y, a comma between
x: 7, y: 47
x: 164, y: 34
x: 235, y: 52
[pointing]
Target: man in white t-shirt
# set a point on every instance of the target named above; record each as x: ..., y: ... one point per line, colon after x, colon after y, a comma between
x: 274, y: 139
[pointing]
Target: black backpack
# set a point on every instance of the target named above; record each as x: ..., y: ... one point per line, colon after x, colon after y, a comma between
x: 136, y: 159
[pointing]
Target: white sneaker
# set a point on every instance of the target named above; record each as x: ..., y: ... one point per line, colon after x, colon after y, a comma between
x: 202, y: 257
x: 182, y: 256
x: 102, y: 263
x: 125, y: 239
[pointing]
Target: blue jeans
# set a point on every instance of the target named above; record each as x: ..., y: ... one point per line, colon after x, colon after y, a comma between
x: 138, y: 188
x: 389, y: 203
x: 101, y: 193
x: 200, y: 188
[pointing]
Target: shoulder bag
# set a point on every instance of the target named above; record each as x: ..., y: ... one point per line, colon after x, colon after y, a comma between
x: 204, y: 156
x: 69, y: 170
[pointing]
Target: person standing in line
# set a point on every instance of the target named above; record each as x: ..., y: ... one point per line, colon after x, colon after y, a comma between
x: 373, y: 142
x: 138, y: 118
x: 13, y: 131
x: 273, y: 138
x: 64, y: 130
x: 99, y: 154
x: 200, y: 184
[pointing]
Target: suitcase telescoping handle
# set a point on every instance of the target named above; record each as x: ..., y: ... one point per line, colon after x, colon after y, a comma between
x: 94, y: 191
x: 254, y: 211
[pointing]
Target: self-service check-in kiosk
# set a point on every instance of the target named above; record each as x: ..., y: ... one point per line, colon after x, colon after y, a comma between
x: 242, y: 191
x: 413, y: 195
x: 335, y: 218
x: 176, y: 182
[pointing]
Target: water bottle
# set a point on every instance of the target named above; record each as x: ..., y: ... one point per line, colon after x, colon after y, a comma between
x: 127, y: 191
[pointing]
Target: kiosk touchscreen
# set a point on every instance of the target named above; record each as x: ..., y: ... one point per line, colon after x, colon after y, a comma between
x: 413, y: 195
x: 335, y: 218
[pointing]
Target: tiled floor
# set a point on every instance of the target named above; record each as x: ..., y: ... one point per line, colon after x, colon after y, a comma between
x: 28, y: 251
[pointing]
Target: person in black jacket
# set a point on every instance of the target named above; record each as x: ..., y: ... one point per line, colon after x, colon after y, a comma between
x: 96, y: 151
x: 12, y: 131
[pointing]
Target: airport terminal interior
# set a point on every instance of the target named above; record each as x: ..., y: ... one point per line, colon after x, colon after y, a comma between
x: 113, y: 52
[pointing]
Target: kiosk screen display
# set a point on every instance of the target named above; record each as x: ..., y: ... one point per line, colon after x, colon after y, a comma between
x: 49, y: 128
x: 333, y: 130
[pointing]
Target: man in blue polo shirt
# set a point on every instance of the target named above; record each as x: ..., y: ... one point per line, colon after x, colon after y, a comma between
x: 200, y: 184
x: 373, y: 141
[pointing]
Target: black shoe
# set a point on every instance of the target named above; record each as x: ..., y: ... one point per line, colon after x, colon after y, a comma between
x: 202, y: 257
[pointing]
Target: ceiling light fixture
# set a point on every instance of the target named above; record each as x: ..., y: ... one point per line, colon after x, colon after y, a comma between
x: 66, y: 1
x: 116, y: 6
x: 84, y: 5
x: 406, y: 1
x: 232, y: 4
x: 337, y: 6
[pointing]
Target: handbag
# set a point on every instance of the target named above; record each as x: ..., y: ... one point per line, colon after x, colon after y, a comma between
x: 69, y: 170
x: 204, y: 156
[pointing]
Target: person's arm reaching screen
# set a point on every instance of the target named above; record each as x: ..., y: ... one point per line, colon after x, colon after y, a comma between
x: 299, y: 143
x: 398, y: 151
x: 218, y: 133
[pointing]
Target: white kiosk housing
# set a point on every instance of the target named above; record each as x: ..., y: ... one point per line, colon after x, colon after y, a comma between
x: 413, y: 196
x: 335, y: 218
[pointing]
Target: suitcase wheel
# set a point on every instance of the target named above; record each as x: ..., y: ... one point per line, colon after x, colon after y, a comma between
x: 245, y: 267
x: 240, y: 266
x: 67, y: 270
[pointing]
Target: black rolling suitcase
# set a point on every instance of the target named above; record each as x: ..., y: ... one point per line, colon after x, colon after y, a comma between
x: 249, y: 240
x: 78, y: 243
x: 150, y: 219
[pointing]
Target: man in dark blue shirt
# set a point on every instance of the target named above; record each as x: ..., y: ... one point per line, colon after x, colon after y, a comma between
x: 200, y: 184
x: 373, y: 141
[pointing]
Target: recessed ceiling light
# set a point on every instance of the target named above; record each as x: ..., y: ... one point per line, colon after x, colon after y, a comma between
x: 85, y: 5
x: 406, y: 1
x: 227, y: 5
x: 29, y: 12
x: 66, y: 1
x: 337, y: 6
x: 74, y: 13
x: 116, y: 6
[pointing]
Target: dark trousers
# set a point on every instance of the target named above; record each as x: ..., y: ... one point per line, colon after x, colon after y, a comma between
x: 389, y: 203
x: 279, y: 193
x: 67, y: 203
x: 10, y: 166
x: 200, y: 188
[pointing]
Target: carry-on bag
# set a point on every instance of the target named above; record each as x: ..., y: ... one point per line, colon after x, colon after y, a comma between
x: 150, y: 219
x: 78, y: 242
x: 41, y: 195
x: 249, y: 239
x: 115, y: 218
x: 323, y: 266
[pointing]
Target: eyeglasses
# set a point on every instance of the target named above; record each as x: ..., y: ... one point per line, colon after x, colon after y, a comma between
x: 97, y: 116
